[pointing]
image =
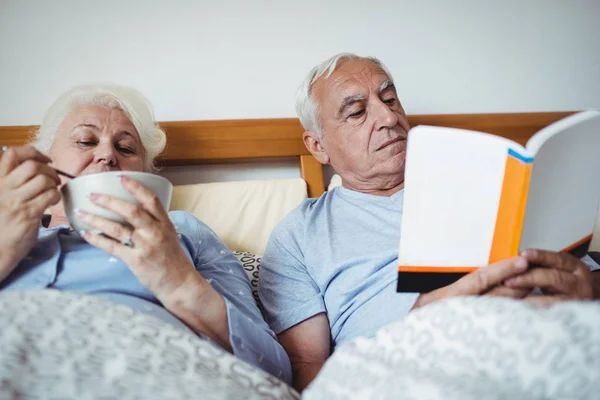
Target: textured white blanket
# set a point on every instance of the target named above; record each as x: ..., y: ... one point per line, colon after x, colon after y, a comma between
x: 472, y: 348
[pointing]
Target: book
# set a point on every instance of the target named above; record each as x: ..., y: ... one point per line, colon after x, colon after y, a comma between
x: 472, y: 198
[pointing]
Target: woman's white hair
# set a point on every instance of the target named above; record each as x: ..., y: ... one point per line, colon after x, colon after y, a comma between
x: 133, y: 103
x: 307, y: 106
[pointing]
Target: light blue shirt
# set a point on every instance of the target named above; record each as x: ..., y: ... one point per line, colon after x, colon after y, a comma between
x: 62, y: 260
x: 337, y: 254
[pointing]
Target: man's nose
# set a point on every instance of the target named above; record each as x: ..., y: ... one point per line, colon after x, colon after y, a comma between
x: 384, y: 116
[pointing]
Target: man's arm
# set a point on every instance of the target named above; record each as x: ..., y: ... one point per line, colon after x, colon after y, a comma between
x: 596, y: 284
x: 308, y: 346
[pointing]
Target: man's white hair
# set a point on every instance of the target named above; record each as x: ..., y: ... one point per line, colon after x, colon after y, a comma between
x: 307, y: 106
x: 133, y: 103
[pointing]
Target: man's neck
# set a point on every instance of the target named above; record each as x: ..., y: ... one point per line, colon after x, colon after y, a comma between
x: 376, y: 191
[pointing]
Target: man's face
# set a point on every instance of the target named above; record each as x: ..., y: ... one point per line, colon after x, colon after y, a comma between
x: 364, y: 125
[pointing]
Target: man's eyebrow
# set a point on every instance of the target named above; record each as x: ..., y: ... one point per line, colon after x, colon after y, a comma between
x: 386, y: 85
x: 348, y: 101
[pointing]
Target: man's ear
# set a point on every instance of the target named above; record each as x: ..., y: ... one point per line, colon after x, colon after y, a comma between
x: 314, y: 144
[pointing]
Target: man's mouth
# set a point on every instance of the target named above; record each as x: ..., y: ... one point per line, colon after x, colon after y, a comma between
x: 391, y: 141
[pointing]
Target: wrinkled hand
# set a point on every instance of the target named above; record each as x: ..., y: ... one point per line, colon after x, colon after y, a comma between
x: 28, y: 185
x: 562, y: 275
x: 155, y: 257
x: 483, y: 281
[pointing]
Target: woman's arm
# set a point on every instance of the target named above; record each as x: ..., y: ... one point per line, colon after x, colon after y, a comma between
x: 28, y: 185
x: 205, y: 287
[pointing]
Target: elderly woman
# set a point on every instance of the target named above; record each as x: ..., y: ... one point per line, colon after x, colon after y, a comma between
x: 177, y: 270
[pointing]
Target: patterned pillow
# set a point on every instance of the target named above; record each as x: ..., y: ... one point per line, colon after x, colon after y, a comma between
x: 251, y: 264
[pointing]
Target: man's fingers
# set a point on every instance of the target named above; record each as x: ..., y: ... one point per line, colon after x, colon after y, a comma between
x: 545, y: 301
x: 546, y: 278
x: 486, y: 278
x: 504, y: 291
x: 551, y: 259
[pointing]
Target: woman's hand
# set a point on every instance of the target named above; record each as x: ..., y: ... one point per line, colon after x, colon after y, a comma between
x: 28, y: 186
x: 151, y: 249
x: 153, y: 253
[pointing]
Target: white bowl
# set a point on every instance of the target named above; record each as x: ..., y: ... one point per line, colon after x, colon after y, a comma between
x: 76, y: 194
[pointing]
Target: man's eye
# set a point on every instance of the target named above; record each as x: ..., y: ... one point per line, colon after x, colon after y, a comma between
x: 85, y: 143
x: 390, y: 102
x: 356, y: 114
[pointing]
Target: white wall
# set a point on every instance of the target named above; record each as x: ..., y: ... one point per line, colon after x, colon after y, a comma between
x: 232, y: 59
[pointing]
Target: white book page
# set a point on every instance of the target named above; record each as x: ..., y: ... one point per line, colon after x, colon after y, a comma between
x: 453, y: 183
x: 564, y: 192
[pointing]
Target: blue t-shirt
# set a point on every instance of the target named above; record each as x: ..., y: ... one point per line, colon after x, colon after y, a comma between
x: 338, y: 254
x: 62, y: 260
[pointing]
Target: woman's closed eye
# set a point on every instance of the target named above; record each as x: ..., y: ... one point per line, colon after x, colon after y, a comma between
x: 125, y: 149
x: 85, y: 143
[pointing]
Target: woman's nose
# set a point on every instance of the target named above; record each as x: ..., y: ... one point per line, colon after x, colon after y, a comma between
x: 106, y: 154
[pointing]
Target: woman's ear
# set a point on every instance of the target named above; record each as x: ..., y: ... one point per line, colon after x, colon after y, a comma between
x: 314, y: 144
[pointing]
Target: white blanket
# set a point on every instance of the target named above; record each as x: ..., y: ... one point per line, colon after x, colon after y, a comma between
x: 472, y: 348
x: 56, y: 345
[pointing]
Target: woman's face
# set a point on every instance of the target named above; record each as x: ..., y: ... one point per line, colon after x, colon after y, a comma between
x: 96, y: 139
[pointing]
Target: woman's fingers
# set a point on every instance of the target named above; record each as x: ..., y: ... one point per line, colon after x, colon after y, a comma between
x: 13, y: 156
x: 133, y: 213
x: 113, y: 229
x: 110, y: 246
x: 34, y: 187
x: 44, y: 200
x: 146, y: 197
x: 28, y: 170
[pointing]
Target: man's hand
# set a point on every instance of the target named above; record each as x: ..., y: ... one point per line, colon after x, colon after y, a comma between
x: 562, y: 275
x: 483, y: 281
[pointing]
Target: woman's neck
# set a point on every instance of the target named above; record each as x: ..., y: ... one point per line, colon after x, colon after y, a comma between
x: 58, y: 220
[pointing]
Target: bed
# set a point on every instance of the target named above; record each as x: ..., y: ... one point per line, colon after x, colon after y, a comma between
x: 243, y: 215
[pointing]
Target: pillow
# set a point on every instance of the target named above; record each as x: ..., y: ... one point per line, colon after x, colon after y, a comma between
x: 335, y: 181
x: 242, y: 213
x: 251, y: 264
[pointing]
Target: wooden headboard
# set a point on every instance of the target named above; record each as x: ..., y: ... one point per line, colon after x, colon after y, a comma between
x: 202, y: 142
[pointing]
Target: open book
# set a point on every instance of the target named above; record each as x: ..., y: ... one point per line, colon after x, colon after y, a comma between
x: 472, y: 198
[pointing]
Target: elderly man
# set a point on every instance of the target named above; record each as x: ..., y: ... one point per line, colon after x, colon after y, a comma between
x: 329, y: 271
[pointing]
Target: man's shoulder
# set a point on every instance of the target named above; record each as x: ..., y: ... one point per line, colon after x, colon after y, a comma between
x: 294, y: 225
x: 309, y: 209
